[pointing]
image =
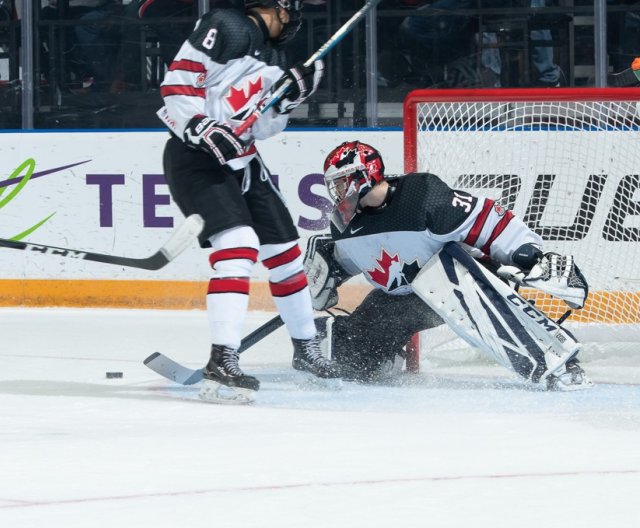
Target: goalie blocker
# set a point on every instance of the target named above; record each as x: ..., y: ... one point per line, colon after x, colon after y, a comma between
x: 324, y: 274
x: 491, y: 316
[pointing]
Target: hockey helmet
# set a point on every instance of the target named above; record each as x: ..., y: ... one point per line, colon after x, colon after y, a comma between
x: 351, y: 170
x: 293, y: 7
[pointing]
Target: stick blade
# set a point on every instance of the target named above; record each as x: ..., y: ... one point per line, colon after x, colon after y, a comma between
x: 183, y: 236
x: 169, y: 369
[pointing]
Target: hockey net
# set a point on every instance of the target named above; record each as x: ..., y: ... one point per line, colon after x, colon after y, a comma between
x: 567, y: 161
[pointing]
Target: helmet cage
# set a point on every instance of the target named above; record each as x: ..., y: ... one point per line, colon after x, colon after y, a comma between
x: 341, y: 182
x: 346, y: 184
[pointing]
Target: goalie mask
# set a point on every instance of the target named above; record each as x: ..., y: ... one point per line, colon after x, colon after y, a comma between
x: 293, y: 7
x: 350, y: 171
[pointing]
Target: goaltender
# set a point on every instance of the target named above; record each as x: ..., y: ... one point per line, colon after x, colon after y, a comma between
x: 427, y: 249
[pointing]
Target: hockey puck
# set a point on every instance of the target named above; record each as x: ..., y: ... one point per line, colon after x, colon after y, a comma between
x: 112, y: 375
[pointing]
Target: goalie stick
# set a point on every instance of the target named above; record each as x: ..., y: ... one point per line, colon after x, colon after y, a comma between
x: 344, y: 30
x: 172, y: 370
x: 179, y: 241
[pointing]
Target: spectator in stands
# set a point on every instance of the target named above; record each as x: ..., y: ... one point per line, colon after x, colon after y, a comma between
x: 171, y: 34
x: 90, y: 45
x: 433, y: 37
x: 169, y: 21
x: 7, y: 10
x: 8, y: 44
x: 298, y: 48
x: 623, y: 35
x: 429, y: 42
x: 549, y: 73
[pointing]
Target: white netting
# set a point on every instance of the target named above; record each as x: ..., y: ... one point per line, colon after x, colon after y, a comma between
x: 569, y: 169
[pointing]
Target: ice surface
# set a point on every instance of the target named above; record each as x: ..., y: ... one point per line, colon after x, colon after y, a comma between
x: 462, y: 444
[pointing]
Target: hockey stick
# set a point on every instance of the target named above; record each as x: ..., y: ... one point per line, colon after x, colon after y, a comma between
x: 178, y: 242
x: 260, y: 333
x: 322, y: 51
x: 170, y: 369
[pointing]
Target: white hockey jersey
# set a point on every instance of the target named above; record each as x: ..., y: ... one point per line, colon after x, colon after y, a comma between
x: 389, y: 245
x: 222, y: 71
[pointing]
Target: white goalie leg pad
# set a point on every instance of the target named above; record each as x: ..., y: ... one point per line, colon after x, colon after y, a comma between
x: 492, y: 317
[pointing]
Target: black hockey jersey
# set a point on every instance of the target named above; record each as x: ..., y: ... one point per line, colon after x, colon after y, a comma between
x: 389, y: 245
x: 223, y: 70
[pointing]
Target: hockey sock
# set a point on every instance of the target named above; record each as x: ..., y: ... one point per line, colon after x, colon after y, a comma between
x: 289, y: 288
x: 228, y: 292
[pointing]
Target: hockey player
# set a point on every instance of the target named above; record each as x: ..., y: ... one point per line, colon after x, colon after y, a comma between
x: 407, y: 236
x: 231, y: 61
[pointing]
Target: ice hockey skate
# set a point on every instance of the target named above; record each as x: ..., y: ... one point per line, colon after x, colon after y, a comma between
x: 570, y: 377
x: 307, y: 357
x: 223, y: 380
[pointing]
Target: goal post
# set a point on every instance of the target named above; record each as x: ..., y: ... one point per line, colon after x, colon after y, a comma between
x: 567, y: 162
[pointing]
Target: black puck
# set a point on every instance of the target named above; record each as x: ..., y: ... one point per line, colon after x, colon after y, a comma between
x: 111, y: 375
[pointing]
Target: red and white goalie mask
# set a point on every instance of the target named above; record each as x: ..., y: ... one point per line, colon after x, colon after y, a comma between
x: 350, y: 172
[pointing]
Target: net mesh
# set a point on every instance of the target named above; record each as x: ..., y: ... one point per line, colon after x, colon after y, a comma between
x: 569, y: 169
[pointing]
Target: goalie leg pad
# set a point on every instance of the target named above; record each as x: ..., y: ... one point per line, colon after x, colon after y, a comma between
x: 491, y: 316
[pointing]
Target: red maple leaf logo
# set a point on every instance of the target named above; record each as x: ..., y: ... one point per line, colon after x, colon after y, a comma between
x: 381, y: 274
x: 238, y: 98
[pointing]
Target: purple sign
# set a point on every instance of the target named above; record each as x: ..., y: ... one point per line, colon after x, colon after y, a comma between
x: 155, y: 192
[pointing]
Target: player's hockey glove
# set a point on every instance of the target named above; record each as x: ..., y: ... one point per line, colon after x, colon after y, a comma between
x: 304, y: 82
x: 323, y: 272
x: 204, y: 133
x: 552, y: 273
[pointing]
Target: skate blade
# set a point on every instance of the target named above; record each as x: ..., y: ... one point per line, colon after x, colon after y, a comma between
x: 584, y: 385
x: 556, y: 363
x: 214, y: 392
x: 308, y: 381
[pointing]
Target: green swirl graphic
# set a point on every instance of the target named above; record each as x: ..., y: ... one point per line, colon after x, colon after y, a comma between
x: 28, y: 166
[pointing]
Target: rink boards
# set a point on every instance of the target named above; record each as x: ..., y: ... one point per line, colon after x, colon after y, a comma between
x: 105, y: 192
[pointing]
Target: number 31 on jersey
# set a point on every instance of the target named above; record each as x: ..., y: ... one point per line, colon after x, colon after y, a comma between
x: 462, y: 200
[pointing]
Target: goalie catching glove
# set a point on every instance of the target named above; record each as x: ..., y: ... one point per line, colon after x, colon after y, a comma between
x: 554, y: 274
x: 304, y: 82
x: 323, y: 273
x: 204, y: 133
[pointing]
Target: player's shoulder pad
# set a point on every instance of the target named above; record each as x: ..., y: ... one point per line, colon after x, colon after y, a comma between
x: 224, y: 34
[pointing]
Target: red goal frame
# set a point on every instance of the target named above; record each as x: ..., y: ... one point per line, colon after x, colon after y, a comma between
x: 416, y: 97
